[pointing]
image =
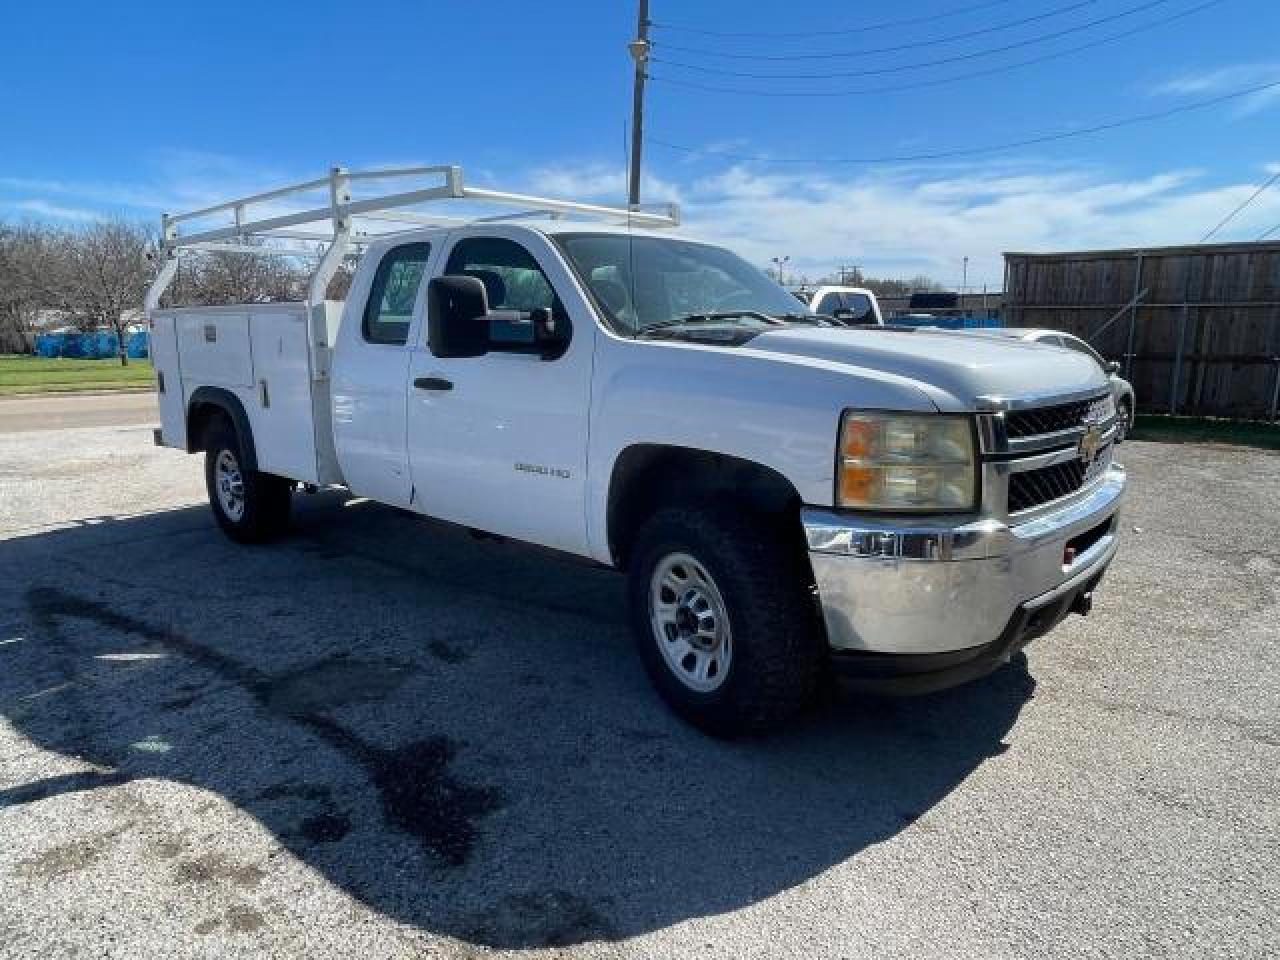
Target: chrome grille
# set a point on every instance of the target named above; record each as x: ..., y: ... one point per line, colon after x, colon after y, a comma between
x: 1063, y: 416
x: 1042, y: 455
x: 1033, y: 488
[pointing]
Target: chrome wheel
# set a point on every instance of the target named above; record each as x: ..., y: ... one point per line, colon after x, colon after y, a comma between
x: 690, y: 622
x: 229, y: 483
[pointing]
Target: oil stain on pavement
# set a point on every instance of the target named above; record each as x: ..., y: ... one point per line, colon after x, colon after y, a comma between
x: 415, y: 783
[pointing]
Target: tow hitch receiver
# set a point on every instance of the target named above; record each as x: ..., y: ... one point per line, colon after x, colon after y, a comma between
x: 1083, y: 603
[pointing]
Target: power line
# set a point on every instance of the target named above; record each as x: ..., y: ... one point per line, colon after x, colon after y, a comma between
x: 884, y: 25
x: 1232, y: 215
x: 1267, y: 233
x: 993, y: 148
x: 957, y: 58
x: 940, y: 81
x: 951, y: 38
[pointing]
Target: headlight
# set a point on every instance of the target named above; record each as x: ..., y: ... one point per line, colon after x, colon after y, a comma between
x: 906, y: 462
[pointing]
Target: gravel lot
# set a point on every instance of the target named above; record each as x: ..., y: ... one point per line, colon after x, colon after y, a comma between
x: 382, y: 738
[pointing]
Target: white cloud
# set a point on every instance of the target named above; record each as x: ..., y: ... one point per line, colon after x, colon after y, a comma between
x: 905, y: 221
x: 894, y: 221
x: 50, y: 211
x: 169, y: 180
x: 1226, y: 79
x: 598, y: 181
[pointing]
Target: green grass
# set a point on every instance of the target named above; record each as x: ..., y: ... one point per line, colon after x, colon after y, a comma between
x: 1249, y: 433
x: 19, y: 374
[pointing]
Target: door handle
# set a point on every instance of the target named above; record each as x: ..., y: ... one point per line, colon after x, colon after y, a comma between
x: 433, y: 383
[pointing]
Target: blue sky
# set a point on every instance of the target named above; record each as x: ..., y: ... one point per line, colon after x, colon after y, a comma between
x: 132, y: 108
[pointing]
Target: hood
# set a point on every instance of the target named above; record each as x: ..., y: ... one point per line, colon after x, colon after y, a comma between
x: 952, y: 369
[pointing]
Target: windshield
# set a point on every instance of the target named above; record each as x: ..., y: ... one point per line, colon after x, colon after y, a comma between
x: 649, y: 282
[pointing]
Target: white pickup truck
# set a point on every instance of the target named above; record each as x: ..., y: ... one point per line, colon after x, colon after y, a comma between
x: 847, y: 304
x: 787, y: 496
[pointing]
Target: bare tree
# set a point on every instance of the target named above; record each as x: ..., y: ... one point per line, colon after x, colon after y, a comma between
x: 883, y: 287
x: 221, y: 278
x: 31, y: 267
x: 244, y: 278
x: 108, y: 268
x: 98, y: 276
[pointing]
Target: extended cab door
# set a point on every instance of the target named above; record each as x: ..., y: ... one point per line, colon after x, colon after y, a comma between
x: 370, y: 367
x: 499, y: 442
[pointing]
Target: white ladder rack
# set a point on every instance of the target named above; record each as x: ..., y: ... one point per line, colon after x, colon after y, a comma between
x: 332, y: 233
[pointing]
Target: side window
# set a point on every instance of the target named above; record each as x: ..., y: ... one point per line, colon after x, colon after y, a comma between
x: 389, y: 310
x: 860, y: 304
x: 829, y: 304
x: 514, y: 285
x: 511, y: 277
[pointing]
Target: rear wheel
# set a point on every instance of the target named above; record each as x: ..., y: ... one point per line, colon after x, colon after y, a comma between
x: 249, y: 506
x: 723, y: 614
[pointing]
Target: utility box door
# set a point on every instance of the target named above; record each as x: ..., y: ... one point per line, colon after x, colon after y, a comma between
x: 214, y: 347
x: 164, y: 358
x: 282, y: 409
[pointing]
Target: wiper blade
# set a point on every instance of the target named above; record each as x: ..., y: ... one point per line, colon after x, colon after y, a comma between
x: 817, y: 319
x: 705, y: 318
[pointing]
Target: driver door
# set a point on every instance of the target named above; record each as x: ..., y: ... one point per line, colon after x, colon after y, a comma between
x: 499, y: 442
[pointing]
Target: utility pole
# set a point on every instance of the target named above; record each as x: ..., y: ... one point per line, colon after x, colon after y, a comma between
x: 639, y: 48
x: 964, y: 283
x: 848, y: 271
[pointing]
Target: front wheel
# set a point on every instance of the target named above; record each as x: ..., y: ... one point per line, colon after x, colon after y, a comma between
x: 1124, y: 421
x: 722, y: 611
x: 249, y: 506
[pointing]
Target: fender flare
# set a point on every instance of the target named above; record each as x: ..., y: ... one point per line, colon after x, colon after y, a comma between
x: 230, y: 404
x: 719, y: 474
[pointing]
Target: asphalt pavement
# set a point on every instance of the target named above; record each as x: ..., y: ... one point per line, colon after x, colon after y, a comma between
x: 382, y: 738
x: 53, y: 411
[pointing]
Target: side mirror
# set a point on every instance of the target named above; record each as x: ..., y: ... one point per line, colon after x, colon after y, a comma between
x: 1113, y: 366
x: 550, y: 339
x: 457, y: 306
x: 535, y: 331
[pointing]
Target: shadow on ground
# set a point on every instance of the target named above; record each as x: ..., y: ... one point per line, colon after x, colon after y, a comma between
x: 456, y: 733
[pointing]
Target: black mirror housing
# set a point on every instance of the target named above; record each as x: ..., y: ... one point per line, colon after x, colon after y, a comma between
x: 551, y: 339
x: 457, y: 308
x: 1113, y: 366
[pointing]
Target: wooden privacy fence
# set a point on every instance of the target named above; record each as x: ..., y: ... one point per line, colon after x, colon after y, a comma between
x: 1196, y: 328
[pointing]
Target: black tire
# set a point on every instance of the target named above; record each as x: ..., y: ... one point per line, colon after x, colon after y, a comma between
x: 762, y: 574
x: 265, y: 500
x: 1125, y: 421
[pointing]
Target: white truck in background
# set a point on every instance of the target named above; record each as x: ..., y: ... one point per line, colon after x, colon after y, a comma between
x: 786, y: 495
x: 846, y: 304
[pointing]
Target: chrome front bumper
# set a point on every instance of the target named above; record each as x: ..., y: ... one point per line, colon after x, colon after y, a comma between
x: 929, y: 587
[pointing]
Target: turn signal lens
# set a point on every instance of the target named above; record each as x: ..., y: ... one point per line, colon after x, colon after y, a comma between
x: 860, y: 439
x: 859, y: 484
x: 906, y: 462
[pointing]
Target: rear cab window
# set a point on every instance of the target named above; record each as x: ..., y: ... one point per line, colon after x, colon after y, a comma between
x: 388, y: 312
x: 829, y: 304
x: 859, y: 304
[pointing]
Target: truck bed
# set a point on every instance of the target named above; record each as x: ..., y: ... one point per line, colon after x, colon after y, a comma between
x: 260, y: 354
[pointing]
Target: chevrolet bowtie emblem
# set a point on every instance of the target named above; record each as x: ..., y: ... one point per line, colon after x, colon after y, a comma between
x: 1090, y: 443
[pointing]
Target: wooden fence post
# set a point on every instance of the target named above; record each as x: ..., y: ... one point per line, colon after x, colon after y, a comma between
x: 1177, y: 362
x: 1133, y: 319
